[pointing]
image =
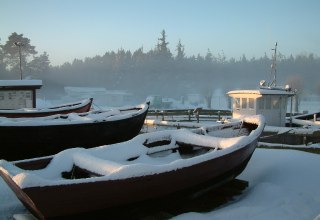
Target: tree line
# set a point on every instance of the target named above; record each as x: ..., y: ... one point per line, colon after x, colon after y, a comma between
x: 159, y: 70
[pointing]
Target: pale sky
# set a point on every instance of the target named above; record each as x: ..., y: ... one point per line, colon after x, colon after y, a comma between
x: 69, y: 29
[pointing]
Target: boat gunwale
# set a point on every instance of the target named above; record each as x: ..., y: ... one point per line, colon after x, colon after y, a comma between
x: 64, y: 121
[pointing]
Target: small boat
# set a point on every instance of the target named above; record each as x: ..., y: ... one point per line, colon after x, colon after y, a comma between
x: 152, y: 165
x: 23, y: 138
x: 78, y: 107
x: 312, y: 119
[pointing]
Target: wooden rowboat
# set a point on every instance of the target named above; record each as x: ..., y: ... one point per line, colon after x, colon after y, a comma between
x: 23, y: 138
x: 149, y: 166
x: 77, y: 107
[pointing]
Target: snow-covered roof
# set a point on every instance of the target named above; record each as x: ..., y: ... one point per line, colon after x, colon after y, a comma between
x: 11, y: 83
x: 263, y: 91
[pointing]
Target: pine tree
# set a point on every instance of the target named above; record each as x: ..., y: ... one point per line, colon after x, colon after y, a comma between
x: 11, y: 51
x: 162, y: 46
x: 180, y: 51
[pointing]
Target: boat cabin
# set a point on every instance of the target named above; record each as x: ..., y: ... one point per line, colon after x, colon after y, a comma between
x: 271, y: 102
x: 15, y: 94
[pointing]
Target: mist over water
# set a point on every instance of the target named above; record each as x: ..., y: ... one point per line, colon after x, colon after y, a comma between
x: 158, y: 71
x: 145, y: 74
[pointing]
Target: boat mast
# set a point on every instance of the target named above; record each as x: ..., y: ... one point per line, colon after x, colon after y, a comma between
x: 273, y: 66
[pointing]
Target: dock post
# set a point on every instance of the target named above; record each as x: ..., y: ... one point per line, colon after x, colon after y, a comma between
x: 189, y: 115
x: 162, y: 113
x: 196, y: 112
x: 291, y: 112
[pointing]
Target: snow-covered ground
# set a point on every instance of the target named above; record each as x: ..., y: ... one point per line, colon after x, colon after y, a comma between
x: 283, y: 184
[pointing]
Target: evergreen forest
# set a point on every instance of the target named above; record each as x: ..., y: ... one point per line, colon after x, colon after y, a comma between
x: 159, y: 71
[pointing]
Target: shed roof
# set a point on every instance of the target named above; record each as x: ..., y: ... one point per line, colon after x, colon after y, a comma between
x: 21, y: 83
x: 264, y: 91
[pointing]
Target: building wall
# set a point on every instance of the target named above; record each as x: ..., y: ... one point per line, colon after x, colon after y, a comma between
x: 15, y: 99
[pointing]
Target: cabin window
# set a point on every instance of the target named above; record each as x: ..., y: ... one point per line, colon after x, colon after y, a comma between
x: 284, y: 103
x: 237, y: 103
x: 275, y: 102
x: 251, y: 103
x: 244, y: 103
x: 261, y: 103
x: 268, y: 102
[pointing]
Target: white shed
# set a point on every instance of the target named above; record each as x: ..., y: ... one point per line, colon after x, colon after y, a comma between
x: 15, y: 94
x: 271, y: 102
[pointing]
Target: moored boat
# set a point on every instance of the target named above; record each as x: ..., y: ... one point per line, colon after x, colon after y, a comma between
x: 311, y: 119
x: 77, y: 107
x: 149, y: 166
x: 23, y: 138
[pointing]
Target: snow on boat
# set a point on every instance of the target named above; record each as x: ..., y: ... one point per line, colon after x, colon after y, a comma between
x: 77, y: 107
x: 312, y: 119
x: 149, y: 166
x: 23, y: 138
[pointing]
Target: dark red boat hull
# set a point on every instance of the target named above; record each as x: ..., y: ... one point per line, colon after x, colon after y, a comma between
x: 63, y: 109
x: 22, y: 142
x: 67, y: 200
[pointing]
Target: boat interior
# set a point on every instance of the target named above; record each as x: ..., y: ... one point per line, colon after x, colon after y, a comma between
x: 167, y: 148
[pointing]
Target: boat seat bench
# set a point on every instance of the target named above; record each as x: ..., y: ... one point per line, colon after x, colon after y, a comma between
x: 91, y: 163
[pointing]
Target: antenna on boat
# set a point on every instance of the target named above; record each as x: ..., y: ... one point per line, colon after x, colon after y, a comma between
x: 273, y: 66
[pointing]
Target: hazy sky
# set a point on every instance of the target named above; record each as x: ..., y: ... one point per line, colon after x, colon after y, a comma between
x: 68, y: 29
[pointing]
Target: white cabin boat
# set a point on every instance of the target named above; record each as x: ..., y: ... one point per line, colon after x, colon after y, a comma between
x: 269, y: 100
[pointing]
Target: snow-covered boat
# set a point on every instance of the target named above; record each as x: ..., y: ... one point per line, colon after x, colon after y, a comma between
x: 149, y: 166
x: 312, y: 119
x: 23, y: 138
x: 78, y: 107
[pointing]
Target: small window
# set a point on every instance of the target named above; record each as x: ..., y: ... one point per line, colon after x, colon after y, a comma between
x: 236, y: 103
x: 251, y: 103
x: 275, y: 102
x: 244, y: 103
x: 268, y: 102
x: 261, y: 103
x: 284, y: 102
